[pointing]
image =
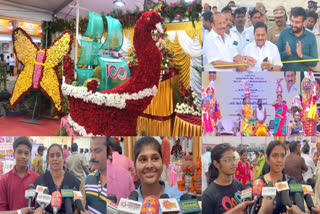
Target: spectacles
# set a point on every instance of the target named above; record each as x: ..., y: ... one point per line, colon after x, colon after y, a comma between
x: 229, y: 160
x: 295, y: 22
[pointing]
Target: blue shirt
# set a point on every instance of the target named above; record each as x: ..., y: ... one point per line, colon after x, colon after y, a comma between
x: 309, y: 49
x: 172, y: 193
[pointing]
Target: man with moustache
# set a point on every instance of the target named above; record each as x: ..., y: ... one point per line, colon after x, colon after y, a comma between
x: 255, y: 16
x: 265, y: 53
x: 311, y: 21
x: 296, y: 43
x: 290, y: 89
x: 239, y: 29
x: 219, y: 50
x: 280, y: 18
x: 227, y: 12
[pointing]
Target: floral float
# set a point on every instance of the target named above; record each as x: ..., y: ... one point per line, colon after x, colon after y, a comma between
x: 38, y: 72
x: 115, y: 111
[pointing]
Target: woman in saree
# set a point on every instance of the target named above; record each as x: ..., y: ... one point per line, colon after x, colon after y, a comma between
x: 280, y: 125
x: 207, y: 126
x: 247, y: 120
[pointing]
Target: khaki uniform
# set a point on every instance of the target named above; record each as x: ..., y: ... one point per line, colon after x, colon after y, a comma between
x: 38, y: 164
x: 274, y: 33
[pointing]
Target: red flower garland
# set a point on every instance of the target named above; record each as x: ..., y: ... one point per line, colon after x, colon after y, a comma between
x: 68, y: 71
x: 92, y: 86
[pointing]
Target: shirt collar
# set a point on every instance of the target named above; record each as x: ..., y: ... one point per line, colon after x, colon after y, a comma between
x: 303, y: 34
x: 262, y: 46
x: 15, y: 172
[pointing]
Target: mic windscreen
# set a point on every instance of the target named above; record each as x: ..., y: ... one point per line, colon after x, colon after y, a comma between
x: 270, y: 184
x: 309, y: 201
x: 112, y: 198
x: 46, y: 191
x: 32, y: 186
x: 134, y: 196
x: 248, y: 185
x: 164, y: 196
x: 284, y: 195
x: 186, y: 196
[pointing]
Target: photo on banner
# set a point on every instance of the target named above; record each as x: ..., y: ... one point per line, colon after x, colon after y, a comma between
x: 57, y: 168
x: 261, y: 35
x: 169, y: 167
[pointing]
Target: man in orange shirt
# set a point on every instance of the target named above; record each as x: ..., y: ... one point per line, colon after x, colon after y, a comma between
x: 165, y: 148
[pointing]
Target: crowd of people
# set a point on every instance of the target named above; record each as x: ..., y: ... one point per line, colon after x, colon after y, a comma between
x: 232, y: 170
x: 65, y: 170
x: 232, y: 42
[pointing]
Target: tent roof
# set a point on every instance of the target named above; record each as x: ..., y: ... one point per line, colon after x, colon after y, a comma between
x: 44, y: 10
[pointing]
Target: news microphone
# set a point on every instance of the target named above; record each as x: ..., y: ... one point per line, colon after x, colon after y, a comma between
x: 282, y: 188
x: 44, y: 198
x: 133, y: 196
x: 189, y: 204
x: 256, y: 192
x: 111, y: 207
x: 67, y: 195
x: 56, y: 201
x: 295, y: 191
x: 112, y: 198
x: 168, y: 205
x: 30, y: 194
x: 150, y: 205
x: 130, y: 205
x: 246, y: 195
x: 77, y: 198
x: 308, y: 191
x: 269, y: 191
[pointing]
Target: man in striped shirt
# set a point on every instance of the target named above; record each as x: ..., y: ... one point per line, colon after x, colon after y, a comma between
x: 96, y: 187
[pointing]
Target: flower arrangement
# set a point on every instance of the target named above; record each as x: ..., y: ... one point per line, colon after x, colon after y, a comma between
x: 68, y: 71
x: 188, y: 170
x: 188, y: 102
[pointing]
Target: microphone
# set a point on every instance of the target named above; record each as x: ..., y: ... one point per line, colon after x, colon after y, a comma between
x: 282, y: 188
x: 256, y: 192
x: 67, y: 195
x: 56, y: 201
x: 189, y: 204
x: 168, y: 205
x: 308, y: 191
x: 44, y: 198
x: 112, y: 198
x: 150, y: 205
x: 40, y: 189
x: 77, y: 198
x: 295, y: 191
x: 130, y: 205
x: 269, y: 191
x: 30, y: 194
x: 246, y: 195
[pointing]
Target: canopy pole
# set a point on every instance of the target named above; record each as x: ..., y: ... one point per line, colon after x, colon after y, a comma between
x: 77, y: 35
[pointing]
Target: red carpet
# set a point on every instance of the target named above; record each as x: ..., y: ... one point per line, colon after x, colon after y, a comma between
x: 11, y: 126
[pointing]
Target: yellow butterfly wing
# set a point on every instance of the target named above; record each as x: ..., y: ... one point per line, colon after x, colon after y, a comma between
x: 26, y: 52
x: 50, y: 80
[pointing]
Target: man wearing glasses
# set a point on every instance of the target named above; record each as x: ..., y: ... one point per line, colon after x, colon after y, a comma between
x: 296, y: 43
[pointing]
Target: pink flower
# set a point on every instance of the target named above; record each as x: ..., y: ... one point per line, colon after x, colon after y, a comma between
x: 166, y: 9
x: 174, y: 4
x: 189, y: 9
x: 180, y: 6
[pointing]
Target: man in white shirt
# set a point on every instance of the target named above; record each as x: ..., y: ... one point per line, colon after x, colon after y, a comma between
x: 219, y: 51
x: 239, y: 29
x: 227, y: 12
x: 11, y: 64
x: 255, y: 17
x: 265, y: 52
x: 207, y: 20
x: 309, y: 162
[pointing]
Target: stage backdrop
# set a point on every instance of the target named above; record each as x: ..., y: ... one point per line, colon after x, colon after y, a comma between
x: 262, y: 85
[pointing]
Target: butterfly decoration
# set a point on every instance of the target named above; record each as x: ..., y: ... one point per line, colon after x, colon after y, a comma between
x: 38, y: 71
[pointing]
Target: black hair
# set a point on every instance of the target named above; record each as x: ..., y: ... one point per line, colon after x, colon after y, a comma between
x: 286, y: 142
x: 146, y: 141
x: 52, y: 145
x: 256, y: 153
x: 284, y: 73
x: 208, y: 149
x: 216, y: 154
x: 293, y: 146
x: 65, y: 146
x: 242, y: 151
x: 253, y: 11
x: 306, y: 148
x: 22, y: 141
x: 40, y: 149
x: 262, y: 151
x: 207, y: 16
x: 214, y: 7
x: 226, y: 9
x: 2, y: 57
x: 231, y: 2
x: 81, y: 150
x: 312, y: 14
x: 260, y: 25
x: 115, y: 145
x: 74, y: 147
x: 298, y: 11
x: 311, y: 182
x: 273, y: 144
x: 86, y: 150
x: 240, y: 10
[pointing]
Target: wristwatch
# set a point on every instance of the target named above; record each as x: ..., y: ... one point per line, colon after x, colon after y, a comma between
x: 19, y: 212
